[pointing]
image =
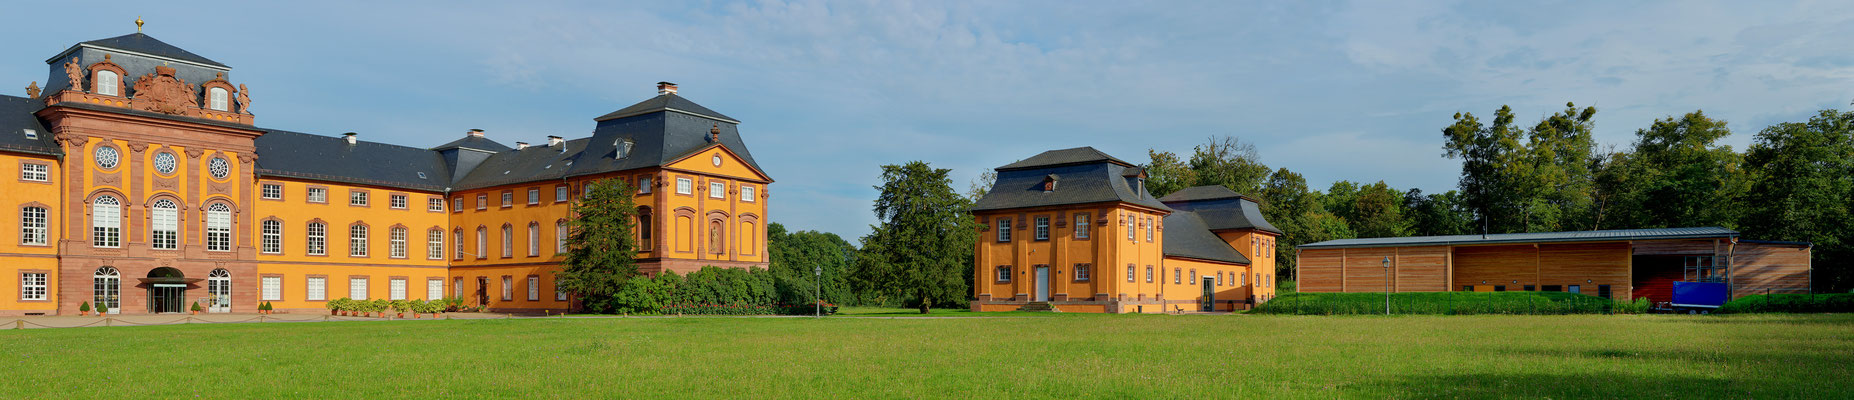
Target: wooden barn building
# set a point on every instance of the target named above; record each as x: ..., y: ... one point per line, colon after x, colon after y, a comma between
x: 1621, y: 264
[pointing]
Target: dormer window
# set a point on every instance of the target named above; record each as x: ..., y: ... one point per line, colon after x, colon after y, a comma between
x: 105, y: 83
x: 216, y: 99
x: 32, y: 134
x: 1049, y: 183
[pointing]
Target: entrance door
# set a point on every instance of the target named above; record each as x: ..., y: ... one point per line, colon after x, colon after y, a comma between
x: 219, y: 291
x: 166, y: 298
x: 1210, y: 295
x: 482, y: 290
x: 1042, y: 283
x: 107, y: 285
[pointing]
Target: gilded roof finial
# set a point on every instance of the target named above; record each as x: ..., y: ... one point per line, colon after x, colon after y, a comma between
x: 138, y: 24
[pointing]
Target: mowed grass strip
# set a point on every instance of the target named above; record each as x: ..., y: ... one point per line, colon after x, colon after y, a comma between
x: 1024, y: 356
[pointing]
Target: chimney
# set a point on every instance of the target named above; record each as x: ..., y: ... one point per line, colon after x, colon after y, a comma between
x: 352, y: 137
x: 554, y: 141
x: 521, y: 145
x: 476, y: 132
x: 664, y: 88
x: 714, y: 133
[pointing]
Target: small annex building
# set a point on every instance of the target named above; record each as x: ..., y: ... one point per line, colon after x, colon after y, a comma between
x: 1076, y: 230
x: 1620, y: 264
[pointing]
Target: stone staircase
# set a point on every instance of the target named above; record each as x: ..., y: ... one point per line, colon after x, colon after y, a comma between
x: 1038, y: 306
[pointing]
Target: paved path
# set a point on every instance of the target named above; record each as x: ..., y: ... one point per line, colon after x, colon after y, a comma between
x: 176, y: 319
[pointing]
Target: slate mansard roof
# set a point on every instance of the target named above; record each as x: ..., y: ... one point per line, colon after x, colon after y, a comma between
x: 1083, y: 175
x: 1187, y: 235
x: 142, y: 43
x: 651, y: 133
x: 16, y: 119
x: 326, y: 158
x: 1220, y: 208
x: 1541, y: 237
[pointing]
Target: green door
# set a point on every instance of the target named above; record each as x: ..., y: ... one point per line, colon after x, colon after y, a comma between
x: 1210, y: 294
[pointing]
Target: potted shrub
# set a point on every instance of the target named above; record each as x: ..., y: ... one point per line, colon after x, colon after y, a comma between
x: 380, y: 306
x: 102, y: 309
x: 331, y: 308
x: 83, y: 310
x: 264, y: 308
x: 196, y: 308
x: 399, y: 308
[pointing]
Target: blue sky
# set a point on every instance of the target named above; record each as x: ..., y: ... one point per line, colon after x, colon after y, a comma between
x: 829, y: 91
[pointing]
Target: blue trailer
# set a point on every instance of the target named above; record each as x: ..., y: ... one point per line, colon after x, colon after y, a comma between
x: 1699, y: 297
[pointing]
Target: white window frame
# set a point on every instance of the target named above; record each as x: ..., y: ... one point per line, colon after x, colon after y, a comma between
x: 316, y: 239
x: 1132, y: 229
x: 397, y: 201
x: 32, y: 226
x: 434, y: 204
x: 271, y: 191
x: 534, y: 288
x: 717, y: 190
x: 1150, y: 223
x: 164, y: 225
x: 560, y: 193
x: 1004, y: 230
x: 106, y: 222
x: 508, y: 241
x: 457, y: 204
x: 33, y: 286
x: 315, y: 288
x: 270, y: 288
x: 35, y: 172
x: 1002, y: 274
x: 218, y: 227
x: 534, y: 196
x: 357, y: 288
x: 643, y: 185
x: 508, y: 198
x: 396, y: 289
x: 534, y: 239
x: 434, y: 244
x: 1132, y: 273
x: 396, y: 242
x: 482, y: 201
x: 357, y: 241
x: 1083, y: 272
x: 685, y: 186
x: 1042, y: 228
x: 434, y: 289
x: 457, y: 241
x: 747, y: 193
x: 508, y: 288
x: 560, y: 237
x: 482, y: 243
x: 316, y: 195
x: 358, y: 198
x: 216, y: 99
x: 1081, y: 226
x: 559, y: 295
x: 270, y: 233
x: 107, y: 83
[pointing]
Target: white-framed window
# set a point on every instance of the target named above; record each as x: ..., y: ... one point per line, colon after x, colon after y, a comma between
x: 1219, y: 278
x: 396, y: 289
x: 560, y: 193
x: 218, y: 227
x: 560, y: 237
x: 559, y: 294
x: 1004, y: 229
x: 457, y: 204
x: 534, y: 288
x: 271, y: 236
x: 164, y: 229
x: 717, y: 190
x: 746, y: 193
x: 643, y: 185
x: 508, y: 241
x: 434, y: 244
x: 1149, y: 274
x: 106, y: 222
x: 482, y: 201
x: 1081, y: 226
x: 457, y: 241
x: 508, y: 288
x: 106, y: 82
x: 1150, y: 222
x: 1132, y: 227
x: 396, y: 242
x: 32, y: 228
x: 586, y: 190
x: 272, y: 191
x: 534, y: 196
x: 317, y: 195
x: 1042, y: 228
x: 317, y: 234
x: 216, y: 99
x: 434, y: 204
x: 32, y: 286
x: 1177, y: 276
x: 397, y: 201
x: 35, y: 172
x: 1132, y: 273
x: 270, y: 288
x: 316, y: 288
x: 684, y: 186
x: 1004, y: 273
x: 534, y: 239
x: 434, y: 289
x: 482, y: 242
x: 357, y: 198
x: 357, y: 288
x: 357, y: 241
x: 508, y: 198
x: 457, y: 287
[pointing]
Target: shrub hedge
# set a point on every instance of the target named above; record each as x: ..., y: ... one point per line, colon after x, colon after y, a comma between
x: 1448, y: 303
x: 712, y: 291
x: 1791, y: 303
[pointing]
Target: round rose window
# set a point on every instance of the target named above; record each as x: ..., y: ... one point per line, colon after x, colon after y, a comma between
x: 717, y: 160
x: 107, y: 157
x: 219, y: 167
x: 164, y: 163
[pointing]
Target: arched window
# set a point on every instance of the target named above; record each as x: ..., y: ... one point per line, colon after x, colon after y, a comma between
x: 215, y: 98
x: 105, y: 83
x: 434, y: 245
x: 219, y: 291
x: 508, y: 240
x: 357, y: 240
x: 482, y: 242
x: 165, y: 232
x: 272, y: 237
x: 643, y: 228
x: 534, y: 239
x: 218, y: 227
x: 457, y: 242
x: 106, y: 222
x: 396, y: 242
x: 318, y: 239
x: 107, y: 286
x: 560, y: 236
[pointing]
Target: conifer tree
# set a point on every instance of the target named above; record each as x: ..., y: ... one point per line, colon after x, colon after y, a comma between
x: 601, y: 245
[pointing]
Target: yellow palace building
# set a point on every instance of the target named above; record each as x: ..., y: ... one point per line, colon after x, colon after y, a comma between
x: 142, y: 182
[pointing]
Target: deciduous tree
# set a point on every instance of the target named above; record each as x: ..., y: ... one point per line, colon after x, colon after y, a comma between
x: 922, y: 249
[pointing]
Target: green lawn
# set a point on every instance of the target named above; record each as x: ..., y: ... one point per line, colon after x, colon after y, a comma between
x: 1029, y: 356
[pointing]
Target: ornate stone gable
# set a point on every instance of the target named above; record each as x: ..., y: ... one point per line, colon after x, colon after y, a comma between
x: 163, y: 93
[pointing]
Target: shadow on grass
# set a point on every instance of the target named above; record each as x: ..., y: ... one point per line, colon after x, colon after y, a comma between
x: 1845, y: 320
x: 1542, y: 385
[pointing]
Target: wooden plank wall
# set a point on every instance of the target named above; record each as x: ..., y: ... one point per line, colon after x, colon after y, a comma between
x: 1586, y: 264
x: 1421, y: 269
x: 1776, y: 267
x: 1675, y: 247
x: 1364, y: 268
x: 1319, y: 270
x: 1496, y: 265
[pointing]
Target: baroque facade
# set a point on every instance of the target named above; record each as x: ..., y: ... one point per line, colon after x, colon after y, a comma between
x: 143, y: 183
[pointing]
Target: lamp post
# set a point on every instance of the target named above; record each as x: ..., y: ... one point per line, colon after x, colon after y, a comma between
x: 1387, y: 288
x: 817, y: 291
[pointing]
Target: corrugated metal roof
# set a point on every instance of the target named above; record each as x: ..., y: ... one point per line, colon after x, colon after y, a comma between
x: 1540, y: 237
